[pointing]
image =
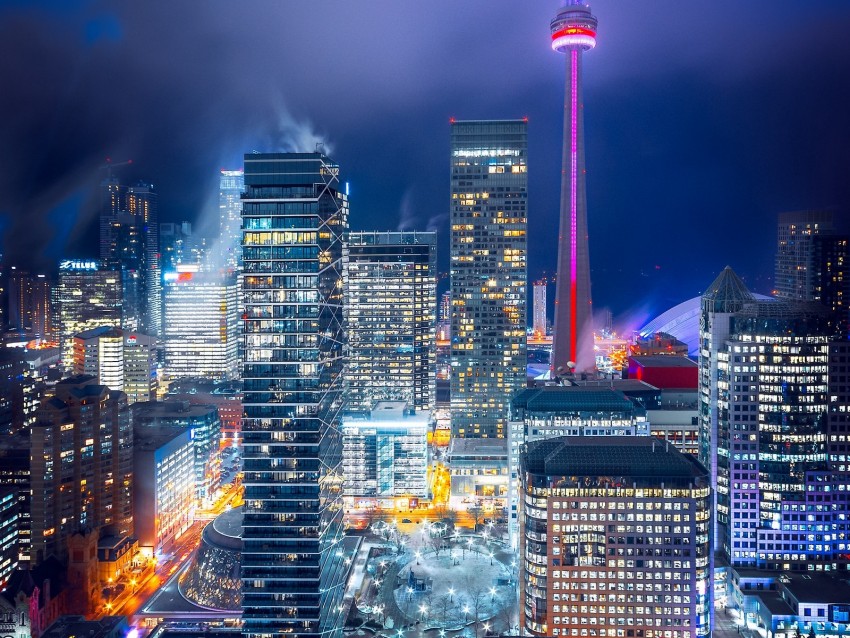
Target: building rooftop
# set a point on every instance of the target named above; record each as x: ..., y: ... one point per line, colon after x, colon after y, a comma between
x: 727, y: 293
x: 100, y: 331
x: 70, y: 626
x: 626, y: 386
x: 572, y: 399
x: 622, y: 456
x: 478, y: 447
x: 153, y: 437
x: 664, y: 361
x: 775, y: 603
x: 818, y: 588
x: 171, y: 409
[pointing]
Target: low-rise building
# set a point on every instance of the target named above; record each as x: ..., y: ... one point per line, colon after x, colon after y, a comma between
x: 205, y: 424
x: 478, y: 471
x: 164, y: 466
x: 385, y: 455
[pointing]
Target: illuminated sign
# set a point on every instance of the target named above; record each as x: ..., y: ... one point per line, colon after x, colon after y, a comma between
x: 78, y: 264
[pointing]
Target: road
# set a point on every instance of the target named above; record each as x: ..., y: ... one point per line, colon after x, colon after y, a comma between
x: 130, y: 603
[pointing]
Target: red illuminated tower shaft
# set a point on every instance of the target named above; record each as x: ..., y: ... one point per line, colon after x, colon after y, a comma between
x: 573, y: 32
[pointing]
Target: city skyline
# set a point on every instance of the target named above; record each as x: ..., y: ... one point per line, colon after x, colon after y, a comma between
x: 662, y: 133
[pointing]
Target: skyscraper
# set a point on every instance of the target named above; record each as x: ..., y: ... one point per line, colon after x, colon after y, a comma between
x: 90, y: 294
x: 129, y: 234
x: 795, y: 235
x: 295, y: 221
x: 726, y: 295
x: 573, y: 32
x: 231, y: 185
x: 489, y: 211
x: 30, y: 308
x: 539, y: 309
x: 813, y: 262
x: 201, y: 337
x: 391, y: 306
x: 768, y: 409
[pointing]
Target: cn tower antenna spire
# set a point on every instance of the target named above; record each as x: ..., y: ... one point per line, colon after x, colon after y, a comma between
x: 573, y: 33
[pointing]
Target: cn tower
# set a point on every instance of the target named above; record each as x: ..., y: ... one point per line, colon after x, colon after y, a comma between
x: 573, y: 32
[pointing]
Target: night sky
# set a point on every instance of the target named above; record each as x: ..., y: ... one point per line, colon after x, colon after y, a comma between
x: 703, y: 119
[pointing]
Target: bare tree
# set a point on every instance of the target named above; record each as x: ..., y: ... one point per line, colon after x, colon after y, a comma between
x: 476, y: 512
x: 477, y: 597
x: 444, y: 604
x: 506, y: 613
x: 436, y: 542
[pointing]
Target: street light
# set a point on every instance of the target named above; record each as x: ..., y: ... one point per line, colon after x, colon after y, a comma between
x: 492, y: 594
x: 491, y: 558
x: 451, y: 594
x: 466, y: 611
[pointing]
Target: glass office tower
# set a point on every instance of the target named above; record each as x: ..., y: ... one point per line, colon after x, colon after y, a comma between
x: 294, y: 220
x: 391, y: 313
x: 489, y: 210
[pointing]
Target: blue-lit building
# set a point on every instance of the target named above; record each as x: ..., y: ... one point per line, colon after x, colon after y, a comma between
x: 205, y: 425
x: 385, y: 454
x: 294, y: 222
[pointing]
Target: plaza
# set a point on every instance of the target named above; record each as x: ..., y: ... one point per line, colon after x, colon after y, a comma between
x: 434, y: 582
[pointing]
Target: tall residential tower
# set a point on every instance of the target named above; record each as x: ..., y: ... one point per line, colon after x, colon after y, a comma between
x: 295, y: 221
x: 489, y: 211
x: 573, y: 32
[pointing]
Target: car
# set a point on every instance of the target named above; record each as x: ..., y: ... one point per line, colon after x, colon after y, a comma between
x: 406, y: 520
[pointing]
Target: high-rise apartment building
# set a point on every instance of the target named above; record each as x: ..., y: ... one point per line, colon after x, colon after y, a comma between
x: 90, y: 295
x: 573, y: 33
x: 81, y: 472
x: 201, y: 336
x: 129, y: 235
x: 231, y: 185
x: 391, y: 306
x: 19, y: 393
x: 538, y: 324
x: 11, y: 520
x: 795, y: 272
x: 489, y: 211
x: 180, y: 248
x: 15, y: 474
x: 295, y: 221
x: 614, y: 539
x: 30, y: 307
x: 813, y: 262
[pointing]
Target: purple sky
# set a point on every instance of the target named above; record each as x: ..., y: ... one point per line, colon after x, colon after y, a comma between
x: 704, y: 119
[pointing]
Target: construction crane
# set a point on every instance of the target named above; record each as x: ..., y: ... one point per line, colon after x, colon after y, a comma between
x: 110, y: 165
